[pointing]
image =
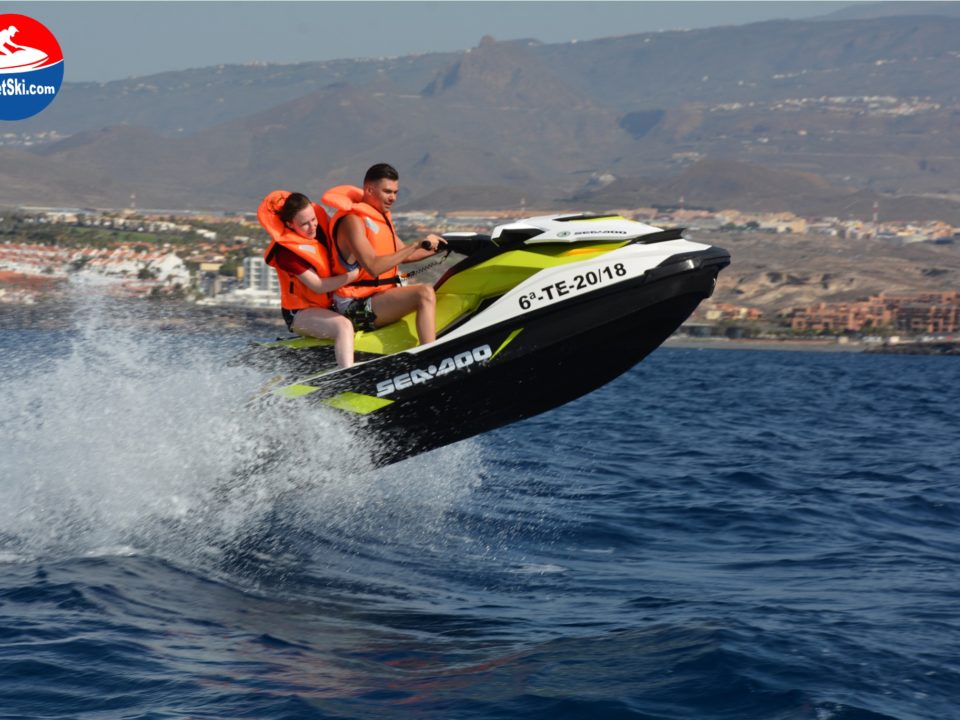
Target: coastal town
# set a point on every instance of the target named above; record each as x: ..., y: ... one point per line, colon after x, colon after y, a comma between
x: 215, y: 259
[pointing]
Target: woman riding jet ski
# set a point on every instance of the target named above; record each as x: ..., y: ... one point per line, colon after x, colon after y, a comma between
x: 536, y: 314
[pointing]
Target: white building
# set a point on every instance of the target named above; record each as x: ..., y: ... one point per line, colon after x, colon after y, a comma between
x: 170, y: 269
x: 245, y: 297
x: 260, y: 276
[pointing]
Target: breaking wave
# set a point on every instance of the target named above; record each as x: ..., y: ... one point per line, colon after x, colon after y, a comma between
x: 125, y: 436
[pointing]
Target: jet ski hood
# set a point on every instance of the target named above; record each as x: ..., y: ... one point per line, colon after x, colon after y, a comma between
x: 573, y: 228
x: 558, y: 230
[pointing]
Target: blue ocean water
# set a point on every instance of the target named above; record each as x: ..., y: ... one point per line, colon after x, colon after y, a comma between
x: 718, y: 534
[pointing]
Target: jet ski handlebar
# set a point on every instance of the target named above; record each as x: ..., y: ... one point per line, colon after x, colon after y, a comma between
x: 466, y: 243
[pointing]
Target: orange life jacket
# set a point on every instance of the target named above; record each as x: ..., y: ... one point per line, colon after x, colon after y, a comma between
x: 348, y: 200
x: 294, y: 295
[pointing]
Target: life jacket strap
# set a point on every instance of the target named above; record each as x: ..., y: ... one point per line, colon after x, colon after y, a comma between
x: 379, y: 282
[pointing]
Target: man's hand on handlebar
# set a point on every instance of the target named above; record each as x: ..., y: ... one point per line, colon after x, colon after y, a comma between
x: 434, y: 243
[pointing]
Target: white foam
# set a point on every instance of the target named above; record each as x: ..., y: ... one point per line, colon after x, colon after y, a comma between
x: 539, y: 569
x: 136, y: 440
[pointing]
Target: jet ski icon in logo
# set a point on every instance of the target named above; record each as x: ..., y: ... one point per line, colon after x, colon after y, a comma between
x: 31, y: 67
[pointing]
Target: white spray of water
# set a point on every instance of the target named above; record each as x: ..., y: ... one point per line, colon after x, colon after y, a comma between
x: 139, y: 440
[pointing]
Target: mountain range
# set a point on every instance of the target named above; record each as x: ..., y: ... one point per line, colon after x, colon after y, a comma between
x: 823, y: 117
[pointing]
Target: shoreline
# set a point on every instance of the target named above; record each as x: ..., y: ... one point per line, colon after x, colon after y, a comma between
x: 826, y: 345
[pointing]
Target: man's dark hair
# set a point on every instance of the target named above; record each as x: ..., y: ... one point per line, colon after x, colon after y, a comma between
x: 381, y: 171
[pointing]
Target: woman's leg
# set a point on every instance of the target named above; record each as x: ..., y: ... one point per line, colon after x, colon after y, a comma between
x: 322, y: 323
x: 394, y: 304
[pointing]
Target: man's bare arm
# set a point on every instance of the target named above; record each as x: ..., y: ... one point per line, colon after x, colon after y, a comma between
x: 351, y: 236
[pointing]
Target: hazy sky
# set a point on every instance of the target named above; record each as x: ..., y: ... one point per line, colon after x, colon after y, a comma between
x: 110, y: 40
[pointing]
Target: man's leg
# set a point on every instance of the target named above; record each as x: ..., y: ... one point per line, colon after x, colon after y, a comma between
x: 392, y: 305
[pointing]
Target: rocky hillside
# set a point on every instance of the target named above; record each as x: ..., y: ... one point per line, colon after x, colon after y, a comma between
x: 819, y: 117
x: 777, y: 272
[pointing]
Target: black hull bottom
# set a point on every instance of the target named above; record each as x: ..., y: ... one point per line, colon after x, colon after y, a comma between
x: 537, y: 364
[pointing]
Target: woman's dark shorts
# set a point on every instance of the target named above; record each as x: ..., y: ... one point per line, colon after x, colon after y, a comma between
x: 288, y: 316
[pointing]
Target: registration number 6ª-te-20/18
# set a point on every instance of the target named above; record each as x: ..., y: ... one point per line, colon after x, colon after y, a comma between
x: 576, y: 284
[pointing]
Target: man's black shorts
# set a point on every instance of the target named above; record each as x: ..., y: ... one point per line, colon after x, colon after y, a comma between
x: 358, y: 311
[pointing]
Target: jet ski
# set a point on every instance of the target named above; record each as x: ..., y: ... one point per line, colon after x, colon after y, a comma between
x: 537, y: 313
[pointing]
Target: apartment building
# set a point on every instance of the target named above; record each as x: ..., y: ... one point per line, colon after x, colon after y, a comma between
x: 912, y: 314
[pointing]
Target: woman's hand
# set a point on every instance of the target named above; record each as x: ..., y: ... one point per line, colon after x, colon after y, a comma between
x: 352, y: 275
